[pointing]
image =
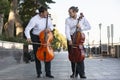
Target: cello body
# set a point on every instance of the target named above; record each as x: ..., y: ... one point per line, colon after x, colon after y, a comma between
x: 77, y: 53
x: 45, y: 51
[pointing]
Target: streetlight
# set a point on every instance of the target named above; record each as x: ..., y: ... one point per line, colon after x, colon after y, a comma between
x: 100, y: 36
x: 112, y: 33
x: 108, y: 35
x: 88, y: 50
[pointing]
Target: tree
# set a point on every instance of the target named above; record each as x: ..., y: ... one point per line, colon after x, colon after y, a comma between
x: 9, y: 26
x: 4, y: 6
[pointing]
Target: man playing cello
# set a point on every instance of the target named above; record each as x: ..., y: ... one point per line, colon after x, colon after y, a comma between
x: 38, y: 24
x: 71, y: 24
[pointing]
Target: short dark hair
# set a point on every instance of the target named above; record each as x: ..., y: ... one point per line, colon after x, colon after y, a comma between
x: 42, y: 9
x: 74, y: 8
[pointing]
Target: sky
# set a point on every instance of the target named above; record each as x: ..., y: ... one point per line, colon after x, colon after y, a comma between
x: 106, y: 12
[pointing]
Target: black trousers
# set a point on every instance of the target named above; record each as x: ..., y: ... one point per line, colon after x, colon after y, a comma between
x: 37, y: 62
x: 78, y: 66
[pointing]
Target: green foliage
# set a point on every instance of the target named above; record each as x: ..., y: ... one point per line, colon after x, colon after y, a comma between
x: 4, y: 6
x: 12, y: 39
x: 59, y: 40
x: 26, y: 10
x: 44, y: 2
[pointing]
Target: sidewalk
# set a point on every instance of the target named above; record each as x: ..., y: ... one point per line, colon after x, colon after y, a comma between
x: 96, y: 68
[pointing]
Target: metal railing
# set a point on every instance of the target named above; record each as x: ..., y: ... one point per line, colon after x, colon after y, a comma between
x: 106, y: 50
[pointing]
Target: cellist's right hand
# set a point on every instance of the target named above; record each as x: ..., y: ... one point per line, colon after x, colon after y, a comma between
x: 29, y: 40
x: 70, y: 42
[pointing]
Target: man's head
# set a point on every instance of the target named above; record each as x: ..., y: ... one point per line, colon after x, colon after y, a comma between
x: 72, y: 11
x: 43, y: 11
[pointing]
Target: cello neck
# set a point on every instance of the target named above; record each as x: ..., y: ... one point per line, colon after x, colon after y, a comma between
x: 46, y: 22
x: 45, y: 33
x: 80, y: 17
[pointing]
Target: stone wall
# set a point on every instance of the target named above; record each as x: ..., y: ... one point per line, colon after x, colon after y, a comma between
x: 11, y: 54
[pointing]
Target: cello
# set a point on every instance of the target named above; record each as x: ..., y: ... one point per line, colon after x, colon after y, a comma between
x: 45, y: 51
x: 77, y: 53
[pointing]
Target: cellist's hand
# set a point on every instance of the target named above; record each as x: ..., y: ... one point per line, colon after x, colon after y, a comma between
x: 29, y: 40
x: 70, y: 42
x: 47, y: 30
x: 78, y: 26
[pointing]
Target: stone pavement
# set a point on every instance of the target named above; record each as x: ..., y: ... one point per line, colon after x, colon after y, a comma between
x: 96, y: 68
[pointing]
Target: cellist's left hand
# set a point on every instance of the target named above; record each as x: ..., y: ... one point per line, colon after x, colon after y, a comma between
x: 78, y: 26
x: 47, y: 30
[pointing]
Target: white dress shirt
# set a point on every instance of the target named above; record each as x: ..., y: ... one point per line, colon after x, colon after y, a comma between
x: 70, y: 26
x: 38, y: 24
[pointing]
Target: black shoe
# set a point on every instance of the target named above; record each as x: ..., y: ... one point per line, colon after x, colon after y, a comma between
x: 38, y: 76
x: 49, y: 76
x: 73, y: 76
x: 83, y: 76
